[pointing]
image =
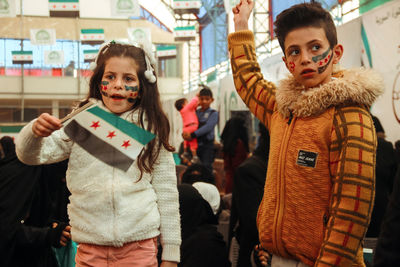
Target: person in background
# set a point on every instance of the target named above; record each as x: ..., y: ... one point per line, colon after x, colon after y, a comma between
x: 319, y: 191
x: 190, y: 124
x: 197, y: 173
x: 387, y: 251
x: 202, y: 244
x: 385, y: 171
x: 28, y: 225
x: 235, y: 141
x: 205, y: 135
x: 249, y: 180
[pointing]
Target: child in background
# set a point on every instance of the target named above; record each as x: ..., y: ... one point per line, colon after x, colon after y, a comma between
x: 208, y: 118
x: 319, y: 191
x: 190, y: 124
x: 116, y: 216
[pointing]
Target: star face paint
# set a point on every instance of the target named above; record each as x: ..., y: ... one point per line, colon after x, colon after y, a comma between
x: 104, y: 85
x: 134, y: 94
x: 322, y: 56
x: 292, y: 66
x: 325, y: 61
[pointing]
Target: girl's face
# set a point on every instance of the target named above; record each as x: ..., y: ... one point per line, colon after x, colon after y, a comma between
x: 120, y: 84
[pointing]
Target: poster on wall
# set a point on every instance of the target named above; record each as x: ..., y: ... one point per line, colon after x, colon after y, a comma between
x: 7, y: 8
x: 43, y: 36
x: 53, y: 57
x: 125, y: 8
x: 140, y: 35
x: 380, y: 25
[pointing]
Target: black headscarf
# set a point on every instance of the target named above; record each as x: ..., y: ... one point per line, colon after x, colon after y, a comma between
x: 234, y: 129
x: 197, y: 173
x: 202, y: 245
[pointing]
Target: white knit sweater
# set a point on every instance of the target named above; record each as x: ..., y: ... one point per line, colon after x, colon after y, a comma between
x: 109, y: 206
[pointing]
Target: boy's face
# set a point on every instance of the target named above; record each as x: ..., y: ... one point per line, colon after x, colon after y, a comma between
x: 205, y: 101
x: 308, y: 56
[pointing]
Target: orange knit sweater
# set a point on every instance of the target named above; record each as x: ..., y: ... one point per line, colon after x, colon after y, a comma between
x: 319, y: 191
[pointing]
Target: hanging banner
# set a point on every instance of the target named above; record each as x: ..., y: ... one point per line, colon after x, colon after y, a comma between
x: 7, y: 8
x: 186, y: 6
x: 140, y: 35
x: 53, y: 57
x: 43, y: 36
x: 22, y: 57
x: 166, y: 51
x: 186, y: 33
x: 125, y: 8
x: 90, y: 55
x: 380, y: 25
x: 92, y: 36
x: 64, y: 8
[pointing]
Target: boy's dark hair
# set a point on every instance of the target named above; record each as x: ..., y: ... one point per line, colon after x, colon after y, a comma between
x: 304, y: 15
x: 179, y: 103
x: 205, y: 91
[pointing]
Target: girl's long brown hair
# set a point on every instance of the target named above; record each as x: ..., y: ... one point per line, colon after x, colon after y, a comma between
x: 148, y: 102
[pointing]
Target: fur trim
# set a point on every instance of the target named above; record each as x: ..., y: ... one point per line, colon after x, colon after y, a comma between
x: 359, y: 86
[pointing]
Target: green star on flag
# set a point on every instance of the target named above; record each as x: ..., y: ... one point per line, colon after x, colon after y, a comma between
x: 106, y: 136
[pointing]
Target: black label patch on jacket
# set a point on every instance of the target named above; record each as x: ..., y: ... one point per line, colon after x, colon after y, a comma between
x: 307, y: 158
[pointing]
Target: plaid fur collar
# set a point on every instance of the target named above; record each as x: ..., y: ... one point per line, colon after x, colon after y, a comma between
x: 359, y: 86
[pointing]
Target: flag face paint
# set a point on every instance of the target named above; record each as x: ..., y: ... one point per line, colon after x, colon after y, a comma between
x: 104, y: 85
x: 134, y: 94
x: 325, y: 61
x: 322, y: 56
x: 108, y: 137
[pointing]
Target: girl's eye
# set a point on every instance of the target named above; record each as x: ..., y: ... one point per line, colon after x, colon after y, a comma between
x: 129, y: 79
x: 294, y: 52
x: 316, y: 47
x: 110, y: 77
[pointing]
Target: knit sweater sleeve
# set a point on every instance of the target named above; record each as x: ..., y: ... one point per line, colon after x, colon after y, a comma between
x: 257, y: 93
x: 352, y: 166
x: 33, y: 150
x: 165, y: 185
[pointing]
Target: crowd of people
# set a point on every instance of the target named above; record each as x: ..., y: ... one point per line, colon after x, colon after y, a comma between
x: 320, y: 180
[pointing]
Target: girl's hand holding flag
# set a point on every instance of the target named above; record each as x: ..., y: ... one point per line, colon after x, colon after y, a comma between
x: 45, y: 125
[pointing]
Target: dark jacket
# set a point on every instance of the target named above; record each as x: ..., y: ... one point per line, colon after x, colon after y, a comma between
x: 387, y: 252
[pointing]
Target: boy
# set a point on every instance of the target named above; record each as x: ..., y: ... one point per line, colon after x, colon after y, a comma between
x: 208, y: 118
x: 190, y: 124
x: 319, y: 190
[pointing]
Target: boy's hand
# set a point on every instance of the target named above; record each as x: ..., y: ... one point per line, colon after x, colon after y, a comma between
x: 241, y: 14
x: 45, y: 125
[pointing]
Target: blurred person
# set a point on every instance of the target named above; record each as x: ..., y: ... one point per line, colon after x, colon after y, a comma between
x: 249, y: 180
x: 190, y: 124
x: 385, y: 171
x: 235, y: 141
x: 28, y: 225
x: 197, y: 173
x: 202, y: 244
x: 208, y: 119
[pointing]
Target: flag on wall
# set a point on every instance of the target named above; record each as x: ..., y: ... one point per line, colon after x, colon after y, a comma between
x: 7, y: 8
x: 53, y: 57
x: 92, y: 36
x: 90, y: 55
x: 186, y: 6
x: 108, y: 137
x: 43, y: 36
x: 22, y: 57
x: 186, y: 33
x: 64, y: 8
x: 166, y: 51
x: 125, y: 8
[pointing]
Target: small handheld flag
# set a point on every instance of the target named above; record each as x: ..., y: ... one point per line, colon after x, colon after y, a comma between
x: 106, y: 136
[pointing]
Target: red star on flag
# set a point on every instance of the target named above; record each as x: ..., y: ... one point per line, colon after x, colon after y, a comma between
x: 54, y: 6
x: 74, y: 6
x: 126, y: 144
x: 95, y: 124
x: 111, y: 134
x: 64, y: 6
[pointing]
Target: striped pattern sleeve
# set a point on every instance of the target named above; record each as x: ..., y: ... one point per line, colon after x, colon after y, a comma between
x: 258, y: 94
x: 352, y: 166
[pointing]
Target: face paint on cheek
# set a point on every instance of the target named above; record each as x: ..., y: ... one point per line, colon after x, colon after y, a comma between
x: 104, y: 85
x: 132, y: 88
x: 322, y: 56
x: 327, y: 61
x: 292, y: 66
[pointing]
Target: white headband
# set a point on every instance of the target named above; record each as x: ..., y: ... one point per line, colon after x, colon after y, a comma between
x: 148, y: 56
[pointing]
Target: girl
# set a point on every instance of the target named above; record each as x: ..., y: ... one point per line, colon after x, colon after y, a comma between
x: 116, y: 216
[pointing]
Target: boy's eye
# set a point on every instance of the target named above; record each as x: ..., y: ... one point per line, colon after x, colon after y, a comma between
x: 316, y: 47
x: 294, y: 52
